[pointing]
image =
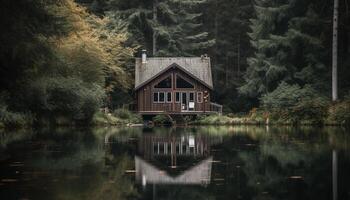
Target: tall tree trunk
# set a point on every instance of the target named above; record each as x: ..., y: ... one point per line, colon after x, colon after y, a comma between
x: 239, y: 57
x: 335, y: 52
x: 226, y: 72
x: 216, y: 27
x: 335, y: 174
x: 154, y: 37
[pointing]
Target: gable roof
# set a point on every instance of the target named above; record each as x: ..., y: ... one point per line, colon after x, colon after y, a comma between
x: 199, y: 174
x: 197, y: 67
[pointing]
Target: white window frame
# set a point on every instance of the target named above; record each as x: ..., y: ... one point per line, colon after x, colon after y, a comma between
x: 158, y: 93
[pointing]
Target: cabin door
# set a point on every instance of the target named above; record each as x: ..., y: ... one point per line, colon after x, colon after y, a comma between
x: 184, y: 101
x: 187, y: 101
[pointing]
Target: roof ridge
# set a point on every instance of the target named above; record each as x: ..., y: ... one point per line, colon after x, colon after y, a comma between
x: 173, y: 57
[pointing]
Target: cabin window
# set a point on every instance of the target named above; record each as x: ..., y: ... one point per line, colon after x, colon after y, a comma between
x: 177, y: 98
x: 182, y: 83
x: 158, y: 97
x: 155, y: 97
x: 161, y: 97
x: 165, y: 83
x: 169, y: 151
x: 177, y: 148
x: 161, y: 148
x: 155, y: 148
x: 200, y: 97
x: 191, y: 96
x: 168, y: 97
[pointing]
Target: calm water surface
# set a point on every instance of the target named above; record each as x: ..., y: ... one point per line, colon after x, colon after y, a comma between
x: 176, y: 163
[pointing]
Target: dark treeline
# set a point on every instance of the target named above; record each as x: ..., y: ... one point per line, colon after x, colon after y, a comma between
x: 257, y: 47
x: 68, y: 58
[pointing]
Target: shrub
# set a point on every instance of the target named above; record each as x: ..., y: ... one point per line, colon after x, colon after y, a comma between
x: 291, y: 103
x: 123, y: 113
x: 101, y: 118
x: 162, y: 120
x: 65, y: 97
x: 313, y: 111
x: 213, y: 119
x: 128, y: 116
x: 340, y: 113
x: 13, y: 119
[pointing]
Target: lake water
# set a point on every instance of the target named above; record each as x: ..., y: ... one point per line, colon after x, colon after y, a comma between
x: 176, y: 163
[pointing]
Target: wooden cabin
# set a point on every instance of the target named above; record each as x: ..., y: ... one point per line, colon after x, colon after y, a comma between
x: 174, y: 85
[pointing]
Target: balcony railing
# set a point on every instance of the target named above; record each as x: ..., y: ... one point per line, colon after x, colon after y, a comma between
x: 214, y: 107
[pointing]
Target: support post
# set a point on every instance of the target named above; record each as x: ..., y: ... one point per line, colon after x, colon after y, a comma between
x: 335, y: 52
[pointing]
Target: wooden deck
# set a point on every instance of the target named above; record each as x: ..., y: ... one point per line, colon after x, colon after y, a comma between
x: 214, y: 109
x: 176, y: 113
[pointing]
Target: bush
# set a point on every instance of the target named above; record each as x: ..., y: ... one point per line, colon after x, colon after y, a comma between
x: 162, y: 120
x: 12, y: 119
x: 65, y: 97
x: 293, y: 104
x: 213, y: 120
x: 102, y: 119
x: 128, y: 116
x: 339, y: 113
x: 123, y: 113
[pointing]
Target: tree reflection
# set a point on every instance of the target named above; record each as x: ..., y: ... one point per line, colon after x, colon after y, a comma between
x: 245, y: 162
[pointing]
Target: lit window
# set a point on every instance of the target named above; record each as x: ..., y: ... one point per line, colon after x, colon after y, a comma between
x: 182, y: 83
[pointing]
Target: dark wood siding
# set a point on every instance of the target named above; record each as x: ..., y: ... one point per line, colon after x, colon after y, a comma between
x: 145, y: 94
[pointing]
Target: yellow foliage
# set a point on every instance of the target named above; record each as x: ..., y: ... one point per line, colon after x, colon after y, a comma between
x: 100, y: 46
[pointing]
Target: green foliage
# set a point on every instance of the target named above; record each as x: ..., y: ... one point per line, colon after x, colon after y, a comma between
x: 289, y: 43
x: 178, y: 27
x: 123, y: 113
x: 213, y: 120
x: 339, y: 113
x: 295, y: 104
x: 10, y: 119
x: 128, y: 116
x: 106, y: 119
x: 57, y: 61
x: 67, y: 97
x: 162, y: 120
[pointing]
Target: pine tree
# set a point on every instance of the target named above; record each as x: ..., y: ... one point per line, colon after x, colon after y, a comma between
x: 170, y: 27
x: 185, y: 33
x: 266, y: 67
x: 289, y: 47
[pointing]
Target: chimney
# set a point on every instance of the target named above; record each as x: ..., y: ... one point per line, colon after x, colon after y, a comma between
x: 144, y: 56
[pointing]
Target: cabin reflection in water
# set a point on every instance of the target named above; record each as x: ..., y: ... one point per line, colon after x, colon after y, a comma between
x: 147, y: 173
x: 174, y: 159
x: 189, y: 153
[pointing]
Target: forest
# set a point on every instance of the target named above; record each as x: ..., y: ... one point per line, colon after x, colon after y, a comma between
x: 63, y: 60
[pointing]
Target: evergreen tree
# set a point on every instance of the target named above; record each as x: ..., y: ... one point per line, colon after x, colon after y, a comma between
x: 175, y: 25
x: 227, y: 21
x: 287, y: 37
